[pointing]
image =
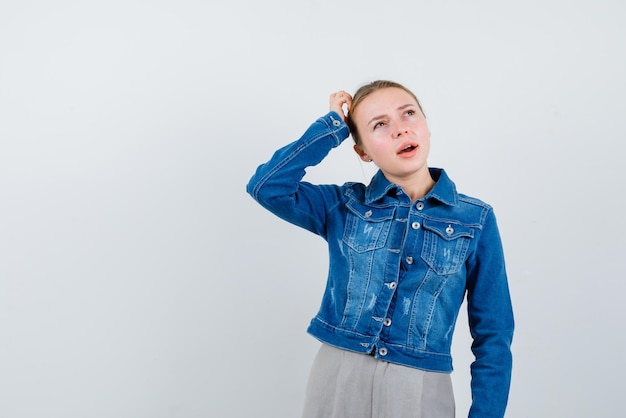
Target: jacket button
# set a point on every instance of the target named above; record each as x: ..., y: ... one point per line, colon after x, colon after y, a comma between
x: 387, y: 322
x: 419, y: 205
x: 449, y: 230
x: 382, y: 351
x: 415, y: 225
x: 409, y: 260
x: 393, y: 285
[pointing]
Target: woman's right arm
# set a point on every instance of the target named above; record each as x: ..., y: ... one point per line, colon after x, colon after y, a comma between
x: 277, y: 185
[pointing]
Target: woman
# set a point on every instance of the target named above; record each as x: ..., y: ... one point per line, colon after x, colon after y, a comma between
x: 404, y: 252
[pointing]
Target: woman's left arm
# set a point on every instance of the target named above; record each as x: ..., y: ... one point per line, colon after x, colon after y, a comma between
x: 491, y: 323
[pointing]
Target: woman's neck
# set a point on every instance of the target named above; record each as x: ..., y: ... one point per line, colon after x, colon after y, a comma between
x: 416, y: 186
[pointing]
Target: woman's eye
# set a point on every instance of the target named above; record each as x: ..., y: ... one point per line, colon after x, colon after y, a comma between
x: 410, y: 112
x: 379, y: 124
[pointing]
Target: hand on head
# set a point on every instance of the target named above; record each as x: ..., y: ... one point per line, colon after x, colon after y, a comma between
x: 337, y: 102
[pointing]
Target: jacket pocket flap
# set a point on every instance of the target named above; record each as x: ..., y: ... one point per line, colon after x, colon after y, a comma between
x: 370, y: 214
x: 448, y: 230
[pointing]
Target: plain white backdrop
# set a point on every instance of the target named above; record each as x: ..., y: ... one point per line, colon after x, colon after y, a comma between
x: 137, y: 279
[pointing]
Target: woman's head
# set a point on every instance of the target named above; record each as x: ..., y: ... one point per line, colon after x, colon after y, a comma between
x: 390, y: 129
x: 365, y: 91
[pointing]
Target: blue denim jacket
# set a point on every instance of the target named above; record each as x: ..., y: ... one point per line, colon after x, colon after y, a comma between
x: 399, y: 270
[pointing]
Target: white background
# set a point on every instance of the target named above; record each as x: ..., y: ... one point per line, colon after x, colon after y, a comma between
x: 137, y: 279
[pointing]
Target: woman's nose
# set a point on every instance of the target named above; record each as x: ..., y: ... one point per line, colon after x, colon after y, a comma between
x: 400, y: 131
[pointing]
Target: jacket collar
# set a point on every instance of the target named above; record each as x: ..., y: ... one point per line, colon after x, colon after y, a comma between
x: 444, y: 189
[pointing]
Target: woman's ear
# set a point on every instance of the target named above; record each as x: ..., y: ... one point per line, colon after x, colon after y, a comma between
x: 362, y: 154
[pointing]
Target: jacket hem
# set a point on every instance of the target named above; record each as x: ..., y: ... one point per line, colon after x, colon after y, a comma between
x: 366, y: 344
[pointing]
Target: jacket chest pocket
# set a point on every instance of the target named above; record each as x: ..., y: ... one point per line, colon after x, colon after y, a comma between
x: 445, y: 245
x: 366, y: 228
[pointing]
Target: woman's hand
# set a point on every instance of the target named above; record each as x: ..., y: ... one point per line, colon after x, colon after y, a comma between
x: 337, y: 102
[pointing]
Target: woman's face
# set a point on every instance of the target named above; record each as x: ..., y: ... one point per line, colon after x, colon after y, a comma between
x: 393, y: 133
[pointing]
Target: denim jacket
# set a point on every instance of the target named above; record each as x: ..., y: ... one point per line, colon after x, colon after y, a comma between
x: 399, y: 269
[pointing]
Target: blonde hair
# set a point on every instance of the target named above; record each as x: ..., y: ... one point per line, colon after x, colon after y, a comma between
x: 364, y: 91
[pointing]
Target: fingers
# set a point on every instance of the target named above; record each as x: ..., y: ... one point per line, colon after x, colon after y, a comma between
x: 340, y: 102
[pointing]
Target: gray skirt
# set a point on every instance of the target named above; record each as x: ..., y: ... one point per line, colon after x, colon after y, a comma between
x: 343, y: 384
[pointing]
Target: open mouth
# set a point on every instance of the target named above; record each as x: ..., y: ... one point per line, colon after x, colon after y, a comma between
x: 406, y: 149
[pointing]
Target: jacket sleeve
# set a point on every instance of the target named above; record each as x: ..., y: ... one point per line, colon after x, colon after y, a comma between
x: 277, y: 185
x: 491, y: 324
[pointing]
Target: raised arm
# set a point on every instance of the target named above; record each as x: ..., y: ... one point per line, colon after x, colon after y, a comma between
x: 277, y: 185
